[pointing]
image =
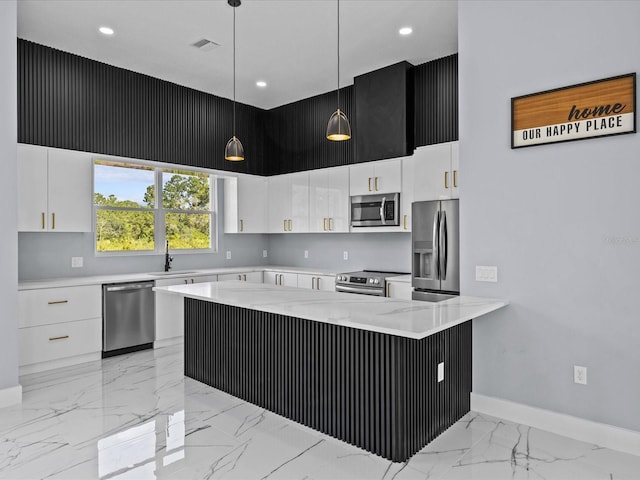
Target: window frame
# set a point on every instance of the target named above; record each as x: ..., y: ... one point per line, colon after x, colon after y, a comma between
x: 158, y: 210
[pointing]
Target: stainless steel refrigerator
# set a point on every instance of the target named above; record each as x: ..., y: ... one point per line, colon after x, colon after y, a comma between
x: 435, y: 242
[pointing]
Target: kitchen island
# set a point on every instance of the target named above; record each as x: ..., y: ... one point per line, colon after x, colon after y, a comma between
x: 385, y: 375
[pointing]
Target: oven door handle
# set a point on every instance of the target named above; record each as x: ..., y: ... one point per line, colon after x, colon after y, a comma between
x: 378, y: 292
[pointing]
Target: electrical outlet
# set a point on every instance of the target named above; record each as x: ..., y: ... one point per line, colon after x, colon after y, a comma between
x: 580, y: 374
x: 306, y: 254
x: 486, y: 274
x: 228, y: 254
x: 76, y: 262
x: 264, y: 254
x: 441, y: 372
x: 345, y: 255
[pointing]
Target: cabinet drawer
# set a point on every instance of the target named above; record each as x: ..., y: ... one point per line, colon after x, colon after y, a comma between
x: 54, y: 305
x: 51, y: 342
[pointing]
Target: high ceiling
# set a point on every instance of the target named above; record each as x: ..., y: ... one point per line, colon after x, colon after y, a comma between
x: 290, y: 44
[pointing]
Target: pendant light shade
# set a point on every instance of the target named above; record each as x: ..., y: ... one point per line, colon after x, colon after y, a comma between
x: 338, y: 128
x: 234, y: 151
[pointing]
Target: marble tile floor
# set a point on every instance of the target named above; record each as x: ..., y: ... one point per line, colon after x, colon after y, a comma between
x: 137, y: 417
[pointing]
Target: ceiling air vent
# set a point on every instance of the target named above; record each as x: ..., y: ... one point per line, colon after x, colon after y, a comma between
x: 205, y: 45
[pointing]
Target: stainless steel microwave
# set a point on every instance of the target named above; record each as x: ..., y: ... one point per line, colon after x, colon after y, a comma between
x: 379, y: 210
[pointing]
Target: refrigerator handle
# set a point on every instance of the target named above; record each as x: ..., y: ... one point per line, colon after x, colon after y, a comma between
x: 436, y: 248
x: 442, y: 249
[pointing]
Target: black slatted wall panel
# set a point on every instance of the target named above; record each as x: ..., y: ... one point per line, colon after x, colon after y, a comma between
x: 436, y: 96
x: 296, y: 134
x: 71, y: 102
x: 376, y: 391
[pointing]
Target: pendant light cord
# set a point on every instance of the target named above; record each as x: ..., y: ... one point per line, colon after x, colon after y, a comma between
x: 234, y: 71
x: 338, y: 54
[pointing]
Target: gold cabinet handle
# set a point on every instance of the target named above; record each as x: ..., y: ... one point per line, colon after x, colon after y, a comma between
x: 51, y: 339
x: 241, y: 225
x: 369, y: 183
x: 324, y: 224
x: 446, y: 179
x: 58, y: 302
x: 284, y: 225
x: 330, y: 224
x: 376, y: 184
x: 317, y: 283
x: 404, y: 221
x: 455, y: 178
x: 244, y: 277
x: 192, y: 280
x: 53, y: 221
x: 185, y: 281
x: 42, y: 220
x: 313, y: 285
x: 388, y: 289
x: 290, y: 227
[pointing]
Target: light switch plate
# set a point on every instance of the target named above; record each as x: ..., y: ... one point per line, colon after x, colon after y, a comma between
x: 228, y: 254
x: 264, y: 254
x: 306, y: 254
x: 486, y: 273
x: 345, y: 255
x: 77, y: 262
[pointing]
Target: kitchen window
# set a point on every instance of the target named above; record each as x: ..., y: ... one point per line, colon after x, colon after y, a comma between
x: 139, y: 207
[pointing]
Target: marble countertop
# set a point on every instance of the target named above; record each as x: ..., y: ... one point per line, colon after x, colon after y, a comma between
x: 400, y: 278
x: 405, y: 318
x: 139, y: 277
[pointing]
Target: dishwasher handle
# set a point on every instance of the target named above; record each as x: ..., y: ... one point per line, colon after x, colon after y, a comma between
x: 134, y: 286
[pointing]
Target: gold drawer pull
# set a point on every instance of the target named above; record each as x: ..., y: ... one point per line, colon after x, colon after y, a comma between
x: 376, y: 184
x: 330, y: 224
x: 446, y: 179
x: 455, y: 178
x: 241, y: 225
x: 404, y: 221
x: 369, y: 183
x: 53, y: 221
x: 51, y: 339
x: 42, y: 220
x: 58, y: 302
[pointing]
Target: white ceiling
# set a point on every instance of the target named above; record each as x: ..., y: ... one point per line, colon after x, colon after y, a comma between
x: 290, y: 44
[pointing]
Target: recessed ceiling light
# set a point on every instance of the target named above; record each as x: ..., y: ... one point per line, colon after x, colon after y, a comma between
x: 261, y: 83
x: 106, y: 30
x: 405, y: 31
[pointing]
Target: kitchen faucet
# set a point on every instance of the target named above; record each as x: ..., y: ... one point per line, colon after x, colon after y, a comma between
x: 167, y: 259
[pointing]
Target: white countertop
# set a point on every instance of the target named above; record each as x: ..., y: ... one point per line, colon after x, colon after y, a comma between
x: 139, y: 277
x: 405, y: 318
x: 400, y: 278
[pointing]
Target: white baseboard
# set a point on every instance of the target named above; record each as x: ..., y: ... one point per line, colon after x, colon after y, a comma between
x: 168, y: 342
x: 10, y: 396
x: 601, y: 434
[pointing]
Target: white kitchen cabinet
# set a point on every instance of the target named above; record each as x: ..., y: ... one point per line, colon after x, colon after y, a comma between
x: 436, y: 172
x: 407, y: 195
x: 384, y: 176
x: 170, y: 310
x: 288, y: 203
x: 245, y: 204
x: 317, y: 282
x: 59, y: 327
x: 284, y: 279
x: 329, y: 200
x: 251, y: 277
x: 400, y: 290
x: 54, y: 190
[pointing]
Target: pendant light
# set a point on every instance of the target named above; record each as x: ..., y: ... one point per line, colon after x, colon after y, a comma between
x: 338, y: 127
x: 234, y: 151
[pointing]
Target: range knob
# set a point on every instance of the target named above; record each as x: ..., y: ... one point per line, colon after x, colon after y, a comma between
x: 376, y: 281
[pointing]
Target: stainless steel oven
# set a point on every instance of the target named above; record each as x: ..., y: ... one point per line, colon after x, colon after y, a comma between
x: 379, y: 210
x: 366, y: 282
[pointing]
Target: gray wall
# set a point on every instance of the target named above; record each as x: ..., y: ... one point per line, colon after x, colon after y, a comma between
x: 560, y: 221
x: 8, y: 198
x: 373, y: 251
x: 48, y: 255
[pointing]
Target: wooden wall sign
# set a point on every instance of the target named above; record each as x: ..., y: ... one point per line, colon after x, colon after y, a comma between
x: 593, y: 109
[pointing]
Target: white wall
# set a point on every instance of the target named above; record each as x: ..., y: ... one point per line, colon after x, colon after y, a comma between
x: 561, y: 222
x: 8, y: 198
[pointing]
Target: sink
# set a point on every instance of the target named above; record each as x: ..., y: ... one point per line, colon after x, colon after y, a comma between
x: 172, y: 272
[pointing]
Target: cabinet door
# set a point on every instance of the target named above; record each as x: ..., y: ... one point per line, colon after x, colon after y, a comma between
x: 70, y: 190
x: 326, y: 283
x: 400, y: 290
x: 455, y: 170
x: 279, y: 204
x: 281, y: 278
x: 169, y: 311
x: 337, y: 180
x: 318, y: 201
x: 432, y: 177
x: 387, y: 176
x: 406, y: 195
x: 299, y: 202
x: 32, y: 189
x: 253, y: 277
x: 361, y: 179
x: 252, y: 204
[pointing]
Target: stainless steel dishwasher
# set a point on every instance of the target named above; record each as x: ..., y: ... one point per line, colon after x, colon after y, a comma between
x: 128, y: 317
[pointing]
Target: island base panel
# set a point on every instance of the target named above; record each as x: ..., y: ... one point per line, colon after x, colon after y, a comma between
x: 375, y: 391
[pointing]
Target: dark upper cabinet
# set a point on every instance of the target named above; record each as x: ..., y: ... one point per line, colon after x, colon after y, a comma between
x: 384, y: 120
